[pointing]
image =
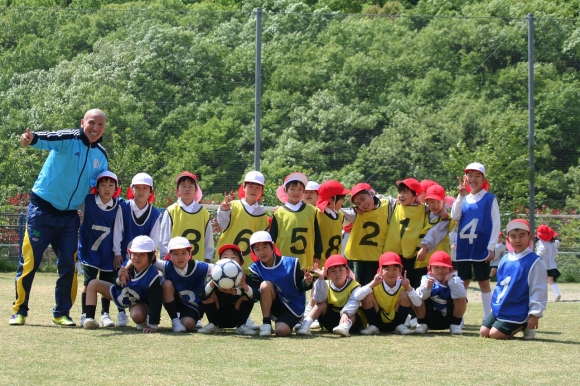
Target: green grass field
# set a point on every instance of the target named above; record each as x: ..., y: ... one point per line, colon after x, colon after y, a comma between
x: 39, y: 353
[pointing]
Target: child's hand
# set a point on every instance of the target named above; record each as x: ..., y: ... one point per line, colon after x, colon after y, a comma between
x: 243, y: 285
x: 447, y: 278
x: 490, y: 256
x: 274, y: 209
x: 533, y: 322
x: 124, y: 276
x: 26, y: 138
x: 444, y: 215
x: 376, y: 281
x: 344, y: 318
x: 462, y: 189
x: 228, y: 197
x: 117, y: 261
x: 430, y: 282
x: 149, y: 330
x: 422, y: 253
x: 406, y: 283
x: 318, y: 271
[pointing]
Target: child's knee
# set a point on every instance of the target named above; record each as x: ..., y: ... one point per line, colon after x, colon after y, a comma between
x: 282, y: 330
x: 266, y: 286
x: 404, y: 299
x: 188, y: 323
x: 484, y: 332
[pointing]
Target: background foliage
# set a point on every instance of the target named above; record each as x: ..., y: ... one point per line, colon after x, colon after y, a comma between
x: 352, y: 90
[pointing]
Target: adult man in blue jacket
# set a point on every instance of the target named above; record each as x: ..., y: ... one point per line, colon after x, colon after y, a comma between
x: 76, y: 157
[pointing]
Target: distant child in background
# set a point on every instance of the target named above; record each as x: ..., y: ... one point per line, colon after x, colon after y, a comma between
x: 135, y: 217
x: 453, y: 246
x: 311, y: 193
x: 279, y: 284
x: 336, y: 301
x: 141, y: 292
x: 547, y: 249
x: 405, y: 226
x: 96, y: 240
x: 392, y: 298
x: 435, y: 235
x: 241, y: 218
x: 425, y: 184
x: 444, y: 297
x: 498, y: 253
x: 369, y: 217
x: 294, y: 227
x: 520, y: 295
x: 232, y: 307
x: 188, y: 218
x: 479, y: 226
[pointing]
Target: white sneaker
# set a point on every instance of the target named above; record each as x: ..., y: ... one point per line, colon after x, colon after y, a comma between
x: 304, y: 328
x: 106, y: 321
x: 209, y: 328
x: 342, y: 329
x: 90, y: 324
x: 178, y: 326
x: 454, y: 329
x: 250, y: 323
x: 198, y: 325
x: 413, y: 323
x: 557, y: 298
x: 122, y: 319
x: 265, y: 330
x: 370, y: 330
x: 421, y: 328
x: 462, y: 324
x: 408, y: 321
x: 141, y: 326
x: 245, y: 330
x: 401, y: 329
x: 529, y: 333
x: 315, y: 325
x: 83, y: 318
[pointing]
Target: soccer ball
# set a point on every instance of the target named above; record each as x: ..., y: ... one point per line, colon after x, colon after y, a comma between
x: 226, y: 273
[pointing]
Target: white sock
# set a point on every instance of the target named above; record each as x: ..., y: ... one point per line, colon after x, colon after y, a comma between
x: 555, y: 289
x: 486, y: 300
x: 308, y: 320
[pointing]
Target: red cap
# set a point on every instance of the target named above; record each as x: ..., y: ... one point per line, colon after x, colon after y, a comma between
x: 545, y: 233
x: 425, y: 184
x: 389, y: 258
x: 435, y: 192
x: 198, y: 192
x: 328, y: 190
x: 335, y: 260
x: 363, y: 186
x: 412, y: 184
x: 229, y: 246
x: 440, y: 259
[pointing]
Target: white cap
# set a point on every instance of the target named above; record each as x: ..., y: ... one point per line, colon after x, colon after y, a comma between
x: 475, y: 166
x: 142, y: 244
x: 312, y: 185
x: 108, y: 174
x: 178, y: 243
x: 260, y: 237
x: 254, y: 176
x: 296, y: 176
x: 142, y: 179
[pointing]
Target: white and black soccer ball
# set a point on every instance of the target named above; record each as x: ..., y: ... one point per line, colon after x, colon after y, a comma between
x: 226, y: 273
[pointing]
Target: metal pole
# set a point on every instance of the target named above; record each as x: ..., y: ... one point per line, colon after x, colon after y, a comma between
x: 258, y: 86
x: 531, y: 117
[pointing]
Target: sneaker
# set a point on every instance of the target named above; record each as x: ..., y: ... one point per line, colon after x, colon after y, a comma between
x: 529, y: 333
x: 401, y: 329
x: 413, y: 323
x: 421, y: 328
x: 315, y: 325
x: 209, y: 328
x: 370, y: 330
x: 90, y: 324
x: 250, y: 323
x: 408, y: 321
x: 454, y: 329
x: 122, y: 319
x: 106, y: 321
x: 83, y: 318
x: 141, y: 326
x: 342, y: 329
x: 178, y: 326
x: 304, y: 328
x: 63, y: 321
x: 557, y: 298
x: 198, y: 325
x: 265, y: 330
x: 245, y: 330
x: 17, y: 320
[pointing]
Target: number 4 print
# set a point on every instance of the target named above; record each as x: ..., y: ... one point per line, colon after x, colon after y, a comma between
x: 468, y: 231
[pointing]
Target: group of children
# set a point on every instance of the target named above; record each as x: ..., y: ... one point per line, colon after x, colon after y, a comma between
x: 395, y: 272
